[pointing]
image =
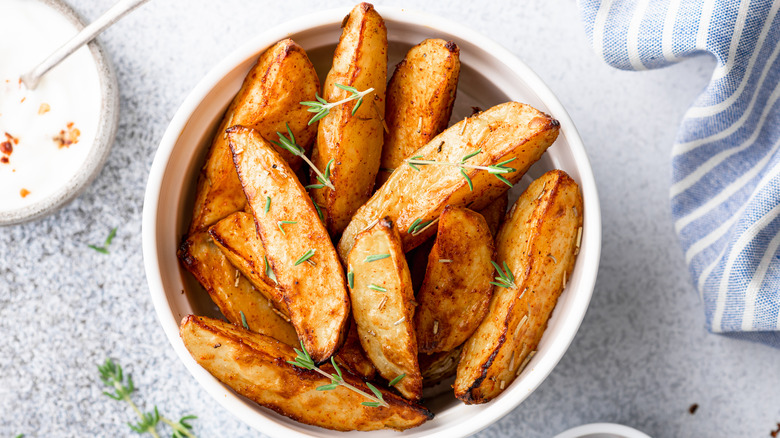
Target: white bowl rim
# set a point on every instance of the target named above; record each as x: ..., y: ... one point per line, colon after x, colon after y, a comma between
x: 587, y: 430
x: 591, y: 227
x: 104, y: 136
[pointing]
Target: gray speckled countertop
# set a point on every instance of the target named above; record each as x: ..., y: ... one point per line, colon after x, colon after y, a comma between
x: 641, y: 357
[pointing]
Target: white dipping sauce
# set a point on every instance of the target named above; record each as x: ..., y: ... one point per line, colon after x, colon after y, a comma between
x: 38, y: 166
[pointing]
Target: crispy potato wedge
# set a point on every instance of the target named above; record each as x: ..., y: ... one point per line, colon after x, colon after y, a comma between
x: 269, y: 97
x: 298, y: 247
x: 237, y: 238
x: 256, y: 367
x: 438, y: 366
x: 413, y: 198
x: 420, y: 96
x: 538, y: 243
x: 353, y: 357
x: 352, y: 143
x: 231, y: 291
x: 495, y: 212
x: 456, y: 291
x: 383, y: 306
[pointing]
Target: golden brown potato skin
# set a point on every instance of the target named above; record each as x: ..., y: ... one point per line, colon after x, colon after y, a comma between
x: 353, y: 142
x: 237, y: 238
x: 269, y: 97
x: 420, y: 96
x: 230, y: 291
x: 256, y: 367
x: 384, y: 318
x: 353, y: 357
x: 495, y: 212
x: 315, y: 292
x: 538, y: 242
x: 506, y: 131
x: 456, y: 291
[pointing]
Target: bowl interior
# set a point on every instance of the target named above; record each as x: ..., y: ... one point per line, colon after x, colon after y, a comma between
x: 489, y: 76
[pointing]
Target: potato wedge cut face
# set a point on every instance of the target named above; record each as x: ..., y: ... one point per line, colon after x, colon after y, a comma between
x: 383, y: 306
x: 353, y: 141
x: 296, y: 244
x: 420, y: 97
x: 269, y: 97
x: 538, y: 242
x: 456, y: 291
x: 495, y: 212
x: 256, y: 367
x: 237, y: 238
x: 413, y: 198
x: 231, y: 291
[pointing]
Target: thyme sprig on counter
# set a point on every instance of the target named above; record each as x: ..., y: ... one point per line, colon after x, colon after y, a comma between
x: 104, y: 249
x: 322, y: 107
x: 288, y: 144
x: 304, y: 360
x: 495, y: 169
x: 112, y: 376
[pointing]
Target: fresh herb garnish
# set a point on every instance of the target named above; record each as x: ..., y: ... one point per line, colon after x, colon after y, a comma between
x: 505, y: 278
x: 496, y: 169
x: 418, y: 226
x: 375, y: 257
x: 289, y: 145
x: 323, y: 179
x: 104, y: 249
x: 270, y: 272
x: 397, y: 379
x: 372, y: 286
x: 319, y: 212
x: 243, y: 319
x: 280, y: 223
x: 322, y: 107
x: 351, y: 279
x: 267, y: 205
x: 111, y: 374
x: 303, y: 360
x: 306, y: 256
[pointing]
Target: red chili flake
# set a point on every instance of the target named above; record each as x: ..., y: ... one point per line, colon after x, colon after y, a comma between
x: 4, y: 160
x: 24, y: 192
x: 6, y: 147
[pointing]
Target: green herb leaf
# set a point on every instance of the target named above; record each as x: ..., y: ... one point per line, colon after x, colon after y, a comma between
x: 466, y: 157
x: 280, y: 223
x: 397, y: 379
x: 267, y: 205
x: 328, y: 387
x: 243, y: 320
x: 351, y: 279
x: 99, y: 249
x: 505, y: 277
x: 375, y: 257
x: 319, y: 212
x: 270, y: 272
x: 306, y: 256
x: 372, y: 286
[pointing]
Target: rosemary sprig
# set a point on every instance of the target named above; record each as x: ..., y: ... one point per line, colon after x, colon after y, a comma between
x: 375, y: 257
x: 496, y: 169
x: 270, y: 272
x: 280, y: 223
x: 505, y: 278
x: 397, y: 379
x: 323, y: 179
x: 243, y: 320
x: 104, y: 249
x: 322, y: 107
x: 111, y: 374
x: 267, y: 205
x: 303, y: 360
x: 290, y: 146
x: 319, y: 212
x: 417, y: 226
x: 306, y: 256
x: 351, y: 279
x: 372, y: 286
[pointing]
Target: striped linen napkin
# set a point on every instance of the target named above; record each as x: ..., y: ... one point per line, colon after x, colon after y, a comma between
x: 725, y: 193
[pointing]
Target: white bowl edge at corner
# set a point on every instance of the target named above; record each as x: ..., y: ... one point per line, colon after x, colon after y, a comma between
x: 160, y: 236
x: 602, y: 430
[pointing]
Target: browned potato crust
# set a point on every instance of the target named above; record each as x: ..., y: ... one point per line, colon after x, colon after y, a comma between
x: 420, y: 96
x: 256, y: 367
x: 237, y: 238
x: 353, y: 142
x: 230, y: 291
x: 456, y: 291
x: 314, y: 288
x: 495, y: 212
x: 538, y: 242
x: 438, y: 366
x: 269, y: 97
x: 383, y: 306
x: 506, y: 131
x: 352, y: 356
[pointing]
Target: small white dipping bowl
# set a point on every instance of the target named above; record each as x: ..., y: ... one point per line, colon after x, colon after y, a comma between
x: 489, y: 75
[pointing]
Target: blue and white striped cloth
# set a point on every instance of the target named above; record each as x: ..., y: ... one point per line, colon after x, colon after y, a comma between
x: 725, y: 194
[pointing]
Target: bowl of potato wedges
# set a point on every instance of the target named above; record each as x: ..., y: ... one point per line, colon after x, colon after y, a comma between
x: 371, y: 219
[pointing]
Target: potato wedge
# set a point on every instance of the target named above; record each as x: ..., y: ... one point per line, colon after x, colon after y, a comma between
x: 456, y: 291
x: 231, y: 292
x: 537, y: 242
x: 256, y: 367
x: 353, y: 357
x: 298, y: 247
x: 495, y: 212
x: 420, y: 96
x: 352, y: 143
x: 438, y: 366
x: 269, y: 97
x: 411, y: 198
x: 383, y: 306
x: 237, y: 238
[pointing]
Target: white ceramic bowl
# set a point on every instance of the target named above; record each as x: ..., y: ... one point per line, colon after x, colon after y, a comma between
x: 489, y: 75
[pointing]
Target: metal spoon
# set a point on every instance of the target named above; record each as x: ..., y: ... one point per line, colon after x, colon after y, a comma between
x: 119, y: 10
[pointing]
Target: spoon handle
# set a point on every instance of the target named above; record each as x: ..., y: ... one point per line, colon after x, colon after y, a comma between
x: 119, y: 10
